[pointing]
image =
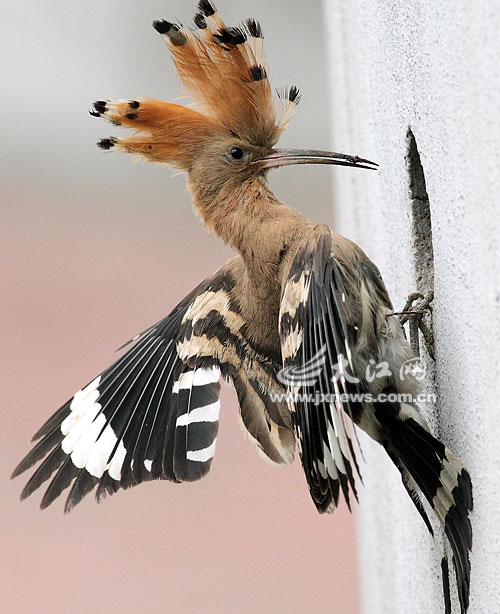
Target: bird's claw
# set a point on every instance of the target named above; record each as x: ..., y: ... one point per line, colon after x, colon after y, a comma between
x: 416, y: 306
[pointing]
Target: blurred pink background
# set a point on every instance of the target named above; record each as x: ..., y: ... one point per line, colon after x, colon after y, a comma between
x: 94, y: 249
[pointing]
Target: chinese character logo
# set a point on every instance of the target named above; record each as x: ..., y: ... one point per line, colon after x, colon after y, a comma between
x: 413, y: 367
x: 307, y: 375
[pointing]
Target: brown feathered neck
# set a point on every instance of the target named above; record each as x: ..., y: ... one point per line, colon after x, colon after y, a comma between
x: 250, y: 218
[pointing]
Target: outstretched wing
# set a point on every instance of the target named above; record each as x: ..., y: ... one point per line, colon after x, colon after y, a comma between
x: 154, y: 414
x: 148, y: 416
x: 316, y: 346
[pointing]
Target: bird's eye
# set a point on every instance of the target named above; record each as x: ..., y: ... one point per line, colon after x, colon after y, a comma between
x: 236, y: 153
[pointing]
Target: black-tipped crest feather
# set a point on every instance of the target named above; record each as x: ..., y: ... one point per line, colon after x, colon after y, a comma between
x: 200, y: 21
x: 207, y: 8
x: 254, y: 28
x: 257, y: 73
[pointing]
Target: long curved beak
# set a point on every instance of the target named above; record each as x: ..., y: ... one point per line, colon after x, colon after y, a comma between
x: 285, y: 157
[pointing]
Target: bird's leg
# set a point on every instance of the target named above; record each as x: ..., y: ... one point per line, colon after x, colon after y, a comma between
x: 413, y: 312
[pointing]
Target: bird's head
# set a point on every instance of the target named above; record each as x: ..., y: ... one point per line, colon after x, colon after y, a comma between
x: 229, y: 134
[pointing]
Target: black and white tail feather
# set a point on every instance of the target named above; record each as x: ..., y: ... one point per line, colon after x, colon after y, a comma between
x: 322, y: 307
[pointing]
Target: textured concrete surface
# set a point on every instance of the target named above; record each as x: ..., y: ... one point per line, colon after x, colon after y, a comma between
x: 432, y: 67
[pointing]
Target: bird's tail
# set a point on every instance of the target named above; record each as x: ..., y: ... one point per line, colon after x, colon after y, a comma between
x: 429, y: 468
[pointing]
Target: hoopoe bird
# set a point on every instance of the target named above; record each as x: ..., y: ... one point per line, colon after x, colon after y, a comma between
x: 299, y: 302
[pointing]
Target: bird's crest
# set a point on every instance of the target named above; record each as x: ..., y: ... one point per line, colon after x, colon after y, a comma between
x: 224, y: 70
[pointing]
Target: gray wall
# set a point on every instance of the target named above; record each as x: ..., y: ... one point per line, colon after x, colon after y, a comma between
x: 431, y: 66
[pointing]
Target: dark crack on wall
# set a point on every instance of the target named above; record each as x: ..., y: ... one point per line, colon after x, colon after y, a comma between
x: 421, y: 219
x: 423, y: 259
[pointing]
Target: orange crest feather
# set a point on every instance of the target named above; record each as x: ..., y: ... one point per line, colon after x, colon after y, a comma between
x: 224, y: 68
x: 225, y: 71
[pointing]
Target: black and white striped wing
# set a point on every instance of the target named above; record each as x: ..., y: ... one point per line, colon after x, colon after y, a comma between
x: 214, y: 330
x: 316, y: 349
x: 196, y: 405
x: 148, y: 416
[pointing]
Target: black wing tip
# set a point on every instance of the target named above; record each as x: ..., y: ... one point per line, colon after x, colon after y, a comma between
x: 62, y: 480
x: 45, y: 502
x: 28, y: 490
x: 54, y: 420
x: 107, y: 486
x: 51, y: 463
x: 190, y: 471
x: 82, y: 486
x: 21, y: 467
